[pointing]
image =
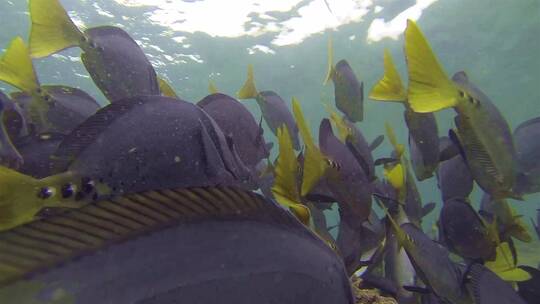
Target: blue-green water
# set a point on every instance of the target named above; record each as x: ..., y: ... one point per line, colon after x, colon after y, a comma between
x: 495, y: 41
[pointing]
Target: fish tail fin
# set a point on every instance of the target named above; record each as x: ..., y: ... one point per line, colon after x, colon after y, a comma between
x: 165, y: 88
x: 212, y: 87
x: 248, y: 91
x: 19, y: 199
x: 390, y: 87
x: 52, y: 30
x: 315, y: 165
x: 16, y: 67
x: 505, y: 267
x: 398, y: 148
x: 330, y: 68
x: 285, y: 188
x: 430, y: 89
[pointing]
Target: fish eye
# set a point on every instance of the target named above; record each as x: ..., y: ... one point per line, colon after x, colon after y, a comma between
x: 45, y: 192
x: 461, y: 94
x: 471, y: 99
x: 39, y: 91
x: 47, y: 98
x: 84, y: 39
x: 68, y: 190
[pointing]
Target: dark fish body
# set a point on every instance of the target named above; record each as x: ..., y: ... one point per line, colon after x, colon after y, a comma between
x: 397, y: 265
x: 37, y: 151
x: 66, y: 109
x: 9, y: 156
x: 486, y: 140
x: 432, y: 264
x: 349, y: 92
x: 151, y: 142
x: 488, y: 288
x: 453, y: 176
x: 361, y: 146
x: 276, y: 113
x: 199, y: 245
x: 13, y: 118
x: 423, y: 143
x: 238, y: 123
x: 347, y: 180
x: 527, y: 141
x: 117, y: 64
x: 358, y: 244
x: 464, y: 232
x: 413, y: 202
x: 530, y: 290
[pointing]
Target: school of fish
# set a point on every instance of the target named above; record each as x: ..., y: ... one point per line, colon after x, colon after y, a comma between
x: 153, y: 199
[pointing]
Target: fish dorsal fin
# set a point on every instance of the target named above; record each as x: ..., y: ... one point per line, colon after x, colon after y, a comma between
x: 165, y: 88
x: 285, y: 188
x: 48, y: 242
x: 16, y: 67
x: 248, y: 91
x: 430, y: 89
x: 330, y: 63
x: 390, y: 87
x: 52, y: 30
x: 87, y: 132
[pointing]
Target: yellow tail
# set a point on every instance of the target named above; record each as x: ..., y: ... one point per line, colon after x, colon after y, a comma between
x: 52, y: 30
x: 330, y: 68
x: 505, y: 267
x: 22, y: 196
x: 390, y: 87
x: 430, y: 89
x: 339, y: 122
x: 248, y: 91
x: 212, y: 87
x: 315, y: 165
x: 285, y: 188
x: 16, y: 67
x: 165, y: 88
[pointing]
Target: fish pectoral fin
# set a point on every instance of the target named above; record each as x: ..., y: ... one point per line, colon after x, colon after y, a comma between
x: 376, y: 143
x: 248, y: 90
x: 430, y: 89
x: 417, y: 289
x: 52, y: 30
x: 448, y: 152
x: 427, y: 208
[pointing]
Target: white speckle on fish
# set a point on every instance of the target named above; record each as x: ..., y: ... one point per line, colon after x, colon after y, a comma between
x: 177, y: 159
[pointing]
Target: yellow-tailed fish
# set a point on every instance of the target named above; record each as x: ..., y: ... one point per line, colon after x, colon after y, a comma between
x: 348, y: 91
x: 274, y: 110
x: 315, y: 163
x: 423, y: 131
x: 286, y: 188
x: 217, y: 235
x: 49, y: 108
x: 482, y: 132
x: 116, y: 63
